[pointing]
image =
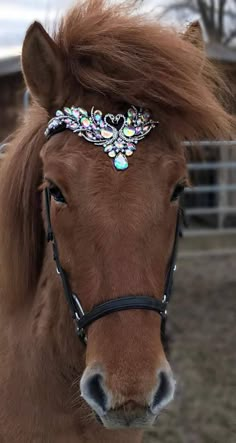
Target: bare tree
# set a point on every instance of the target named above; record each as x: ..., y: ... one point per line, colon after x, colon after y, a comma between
x: 218, y: 17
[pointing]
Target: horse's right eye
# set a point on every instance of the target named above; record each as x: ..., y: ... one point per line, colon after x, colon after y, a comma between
x: 179, y: 189
x: 56, y: 194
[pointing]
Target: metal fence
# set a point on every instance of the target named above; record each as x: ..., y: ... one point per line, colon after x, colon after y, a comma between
x: 210, y: 204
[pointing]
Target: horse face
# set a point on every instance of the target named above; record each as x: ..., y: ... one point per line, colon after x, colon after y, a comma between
x: 115, y: 233
x: 115, y: 229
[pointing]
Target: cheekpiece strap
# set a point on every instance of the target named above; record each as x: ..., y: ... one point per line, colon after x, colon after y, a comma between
x: 82, y: 319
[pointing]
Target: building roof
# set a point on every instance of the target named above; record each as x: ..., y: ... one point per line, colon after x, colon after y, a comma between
x: 10, y: 64
x: 222, y: 53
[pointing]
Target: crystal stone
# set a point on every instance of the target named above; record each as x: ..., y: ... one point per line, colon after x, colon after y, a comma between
x: 82, y: 111
x: 129, y: 131
x: 85, y: 122
x: 75, y: 113
x: 131, y: 146
x: 97, y: 115
x: 119, y: 144
x: 131, y: 113
x: 121, y: 162
x: 128, y: 152
x: 67, y: 111
x: 146, y: 115
x: 73, y: 125
x: 59, y: 113
x: 89, y: 134
x: 112, y: 154
x: 107, y: 132
x: 108, y: 148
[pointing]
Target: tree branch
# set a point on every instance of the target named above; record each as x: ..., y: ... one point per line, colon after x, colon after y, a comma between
x: 203, y: 8
x: 178, y: 6
x: 221, y: 12
x: 212, y: 11
x: 229, y: 38
x: 213, y: 15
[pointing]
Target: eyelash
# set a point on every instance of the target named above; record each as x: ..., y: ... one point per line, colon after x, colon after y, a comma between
x: 179, y: 189
x: 56, y: 193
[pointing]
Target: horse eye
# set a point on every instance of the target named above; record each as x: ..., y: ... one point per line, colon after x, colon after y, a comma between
x: 56, y: 194
x: 179, y: 189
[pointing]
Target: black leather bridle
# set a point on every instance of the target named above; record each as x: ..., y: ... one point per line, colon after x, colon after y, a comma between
x: 82, y: 319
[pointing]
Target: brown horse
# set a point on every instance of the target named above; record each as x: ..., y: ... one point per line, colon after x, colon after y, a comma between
x: 114, y: 229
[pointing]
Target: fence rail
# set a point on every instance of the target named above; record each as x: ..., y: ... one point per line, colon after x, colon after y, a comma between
x: 210, y: 204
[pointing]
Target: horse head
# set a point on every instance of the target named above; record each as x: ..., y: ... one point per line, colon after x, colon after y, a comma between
x: 114, y: 227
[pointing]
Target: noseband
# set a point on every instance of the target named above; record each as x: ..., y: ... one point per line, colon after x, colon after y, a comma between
x: 84, y: 319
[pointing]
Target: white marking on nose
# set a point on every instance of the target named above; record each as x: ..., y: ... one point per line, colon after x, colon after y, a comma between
x: 94, y: 392
x: 164, y: 393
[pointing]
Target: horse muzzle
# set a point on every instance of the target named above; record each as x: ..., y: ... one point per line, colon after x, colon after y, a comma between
x: 115, y: 410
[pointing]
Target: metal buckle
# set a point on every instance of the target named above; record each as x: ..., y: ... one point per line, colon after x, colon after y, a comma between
x: 79, y: 306
x: 79, y: 313
x: 164, y: 301
x: 80, y: 332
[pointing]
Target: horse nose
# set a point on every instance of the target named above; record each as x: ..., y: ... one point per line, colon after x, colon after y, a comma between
x: 100, y: 398
x: 164, y: 392
x: 94, y: 392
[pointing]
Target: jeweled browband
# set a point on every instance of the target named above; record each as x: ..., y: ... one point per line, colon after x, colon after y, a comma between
x: 118, y: 134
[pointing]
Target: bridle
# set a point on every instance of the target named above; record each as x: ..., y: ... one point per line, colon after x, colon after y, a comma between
x: 84, y: 319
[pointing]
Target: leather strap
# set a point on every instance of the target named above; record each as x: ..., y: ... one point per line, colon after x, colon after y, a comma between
x: 83, y: 320
x: 51, y: 238
x: 122, y: 304
x: 172, y: 264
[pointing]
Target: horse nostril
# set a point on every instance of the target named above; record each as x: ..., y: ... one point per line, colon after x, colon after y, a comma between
x: 164, y: 393
x: 93, y: 392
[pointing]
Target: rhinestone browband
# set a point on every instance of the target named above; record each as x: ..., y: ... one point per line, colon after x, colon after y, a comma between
x: 117, y: 134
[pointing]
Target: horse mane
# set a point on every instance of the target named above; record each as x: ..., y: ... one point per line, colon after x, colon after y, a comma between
x: 120, y: 53
x: 130, y: 58
x: 22, y: 236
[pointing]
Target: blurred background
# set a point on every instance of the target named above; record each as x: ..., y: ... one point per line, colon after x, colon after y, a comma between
x: 202, y: 313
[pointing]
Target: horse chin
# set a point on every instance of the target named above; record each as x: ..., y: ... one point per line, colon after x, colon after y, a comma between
x: 116, y: 419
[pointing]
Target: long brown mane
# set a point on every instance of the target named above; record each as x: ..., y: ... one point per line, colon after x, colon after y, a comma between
x: 136, y: 60
x: 131, y: 59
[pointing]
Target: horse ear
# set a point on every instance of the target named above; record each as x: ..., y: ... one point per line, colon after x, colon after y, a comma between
x: 194, y: 35
x: 42, y: 66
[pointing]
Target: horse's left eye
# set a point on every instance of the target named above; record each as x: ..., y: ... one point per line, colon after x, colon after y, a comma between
x: 179, y: 189
x: 57, y: 194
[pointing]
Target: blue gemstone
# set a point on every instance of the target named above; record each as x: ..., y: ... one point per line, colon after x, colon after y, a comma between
x: 121, y: 162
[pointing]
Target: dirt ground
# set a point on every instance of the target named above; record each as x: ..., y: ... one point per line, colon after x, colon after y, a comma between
x: 202, y: 323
